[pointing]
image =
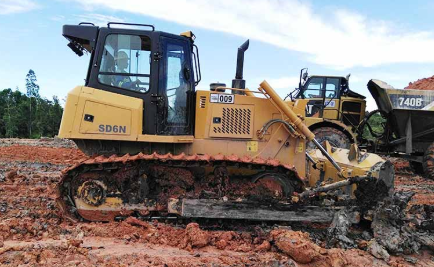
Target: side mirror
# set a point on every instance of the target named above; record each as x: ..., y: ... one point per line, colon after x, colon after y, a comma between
x: 305, y: 76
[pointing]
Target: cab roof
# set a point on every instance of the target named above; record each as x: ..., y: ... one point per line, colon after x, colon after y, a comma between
x: 327, y: 76
x: 84, y: 35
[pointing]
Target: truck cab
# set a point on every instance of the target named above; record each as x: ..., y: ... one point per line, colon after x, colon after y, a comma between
x: 330, y: 98
x: 331, y: 110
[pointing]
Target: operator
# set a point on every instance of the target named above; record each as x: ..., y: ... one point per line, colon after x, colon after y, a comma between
x: 122, y: 64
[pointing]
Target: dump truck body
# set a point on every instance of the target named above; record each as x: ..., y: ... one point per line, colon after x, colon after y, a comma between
x: 410, y: 116
x: 409, y: 128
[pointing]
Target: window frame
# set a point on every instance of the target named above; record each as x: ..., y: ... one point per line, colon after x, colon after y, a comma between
x: 337, y: 90
x: 189, y: 124
x: 151, y: 98
x: 321, y: 90
x: 100, y: 58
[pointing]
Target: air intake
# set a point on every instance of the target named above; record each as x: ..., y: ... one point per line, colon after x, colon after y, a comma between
x: 234, y: 122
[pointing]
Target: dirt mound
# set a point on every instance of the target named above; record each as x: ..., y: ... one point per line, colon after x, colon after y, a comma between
x: 53, y: 155
x: 299, y: 247
x: 195, y: 236
x: 296, y: 245
x: 422, y: 84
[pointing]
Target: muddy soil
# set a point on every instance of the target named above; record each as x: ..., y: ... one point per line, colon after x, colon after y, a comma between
x: 33, y: 233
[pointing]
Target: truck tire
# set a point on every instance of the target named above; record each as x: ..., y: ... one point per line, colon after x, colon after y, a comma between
x: 334, y: 136
x: 428, y: 162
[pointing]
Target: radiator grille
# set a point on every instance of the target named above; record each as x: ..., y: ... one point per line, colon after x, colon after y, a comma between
x: 202, y: 101
x: 234, y: 121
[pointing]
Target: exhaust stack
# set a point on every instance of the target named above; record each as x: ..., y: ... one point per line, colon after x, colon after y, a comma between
x: 238, y: 82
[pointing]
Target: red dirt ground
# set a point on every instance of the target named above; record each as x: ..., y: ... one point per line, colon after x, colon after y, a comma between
x: 32, y: 233
x: 41, y: 154
x: 406, y: 180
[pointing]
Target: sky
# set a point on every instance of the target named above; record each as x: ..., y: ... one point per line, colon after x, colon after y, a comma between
x: 388, y: 40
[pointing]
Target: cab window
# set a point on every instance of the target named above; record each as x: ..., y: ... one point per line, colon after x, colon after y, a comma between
x: 125, y: 62
x: 176, y: 86
x: 332, y: 88
x: 314, y: 88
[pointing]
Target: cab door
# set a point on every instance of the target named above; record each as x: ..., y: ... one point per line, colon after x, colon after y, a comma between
x: 314, y: 91
x: 331, y: 98
x: 323, y: 95
x: 125, y: 65
x: 176, y: 87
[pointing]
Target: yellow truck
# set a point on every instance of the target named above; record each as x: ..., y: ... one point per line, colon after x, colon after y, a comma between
x: 332, y: 110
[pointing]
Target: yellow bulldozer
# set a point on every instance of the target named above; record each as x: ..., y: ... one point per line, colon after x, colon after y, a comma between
x: 160, y: 147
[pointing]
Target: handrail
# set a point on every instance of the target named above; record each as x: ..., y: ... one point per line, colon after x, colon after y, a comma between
x: 86, y: 23
x: 131, y: 24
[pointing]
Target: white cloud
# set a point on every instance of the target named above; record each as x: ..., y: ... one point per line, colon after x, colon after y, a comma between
x: 370, y: 103
x: 284, y: 82
x: 16, y: 6
x: 98, y: 19
x: 283, y: 85
x: 339, y: 39
x: 58, y: 18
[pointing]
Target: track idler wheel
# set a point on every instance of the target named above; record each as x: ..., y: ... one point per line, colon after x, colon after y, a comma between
x: 277, y: 185
x: 92, y: 192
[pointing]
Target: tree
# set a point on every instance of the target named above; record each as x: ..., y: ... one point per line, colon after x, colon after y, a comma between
x: 377, y: 124
x: 56, y: 115
x: 32, y: 92
x: 9, y: 116
x: 31, y: 86
x: 15, y: 110
x: 28, y: 115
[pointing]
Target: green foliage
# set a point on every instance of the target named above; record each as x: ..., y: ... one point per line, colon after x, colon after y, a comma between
x: 28, y: 115
x: 377, y: 123
x: 31, y: 86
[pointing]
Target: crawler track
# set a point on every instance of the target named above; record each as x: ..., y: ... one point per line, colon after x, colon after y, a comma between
x: 103, y: 188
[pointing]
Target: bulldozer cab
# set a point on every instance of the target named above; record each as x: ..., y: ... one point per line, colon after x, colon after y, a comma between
x: 139, y: 62
x: 329, y: 97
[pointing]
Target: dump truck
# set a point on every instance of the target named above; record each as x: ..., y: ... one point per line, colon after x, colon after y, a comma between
x: 408, y: 126
x: 333, y: 111
x: 336, y: 114
x: 159, y: 147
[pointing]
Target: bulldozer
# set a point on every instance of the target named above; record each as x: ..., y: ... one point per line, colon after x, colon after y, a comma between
x: 333, y: 111
x: 158, y: 147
